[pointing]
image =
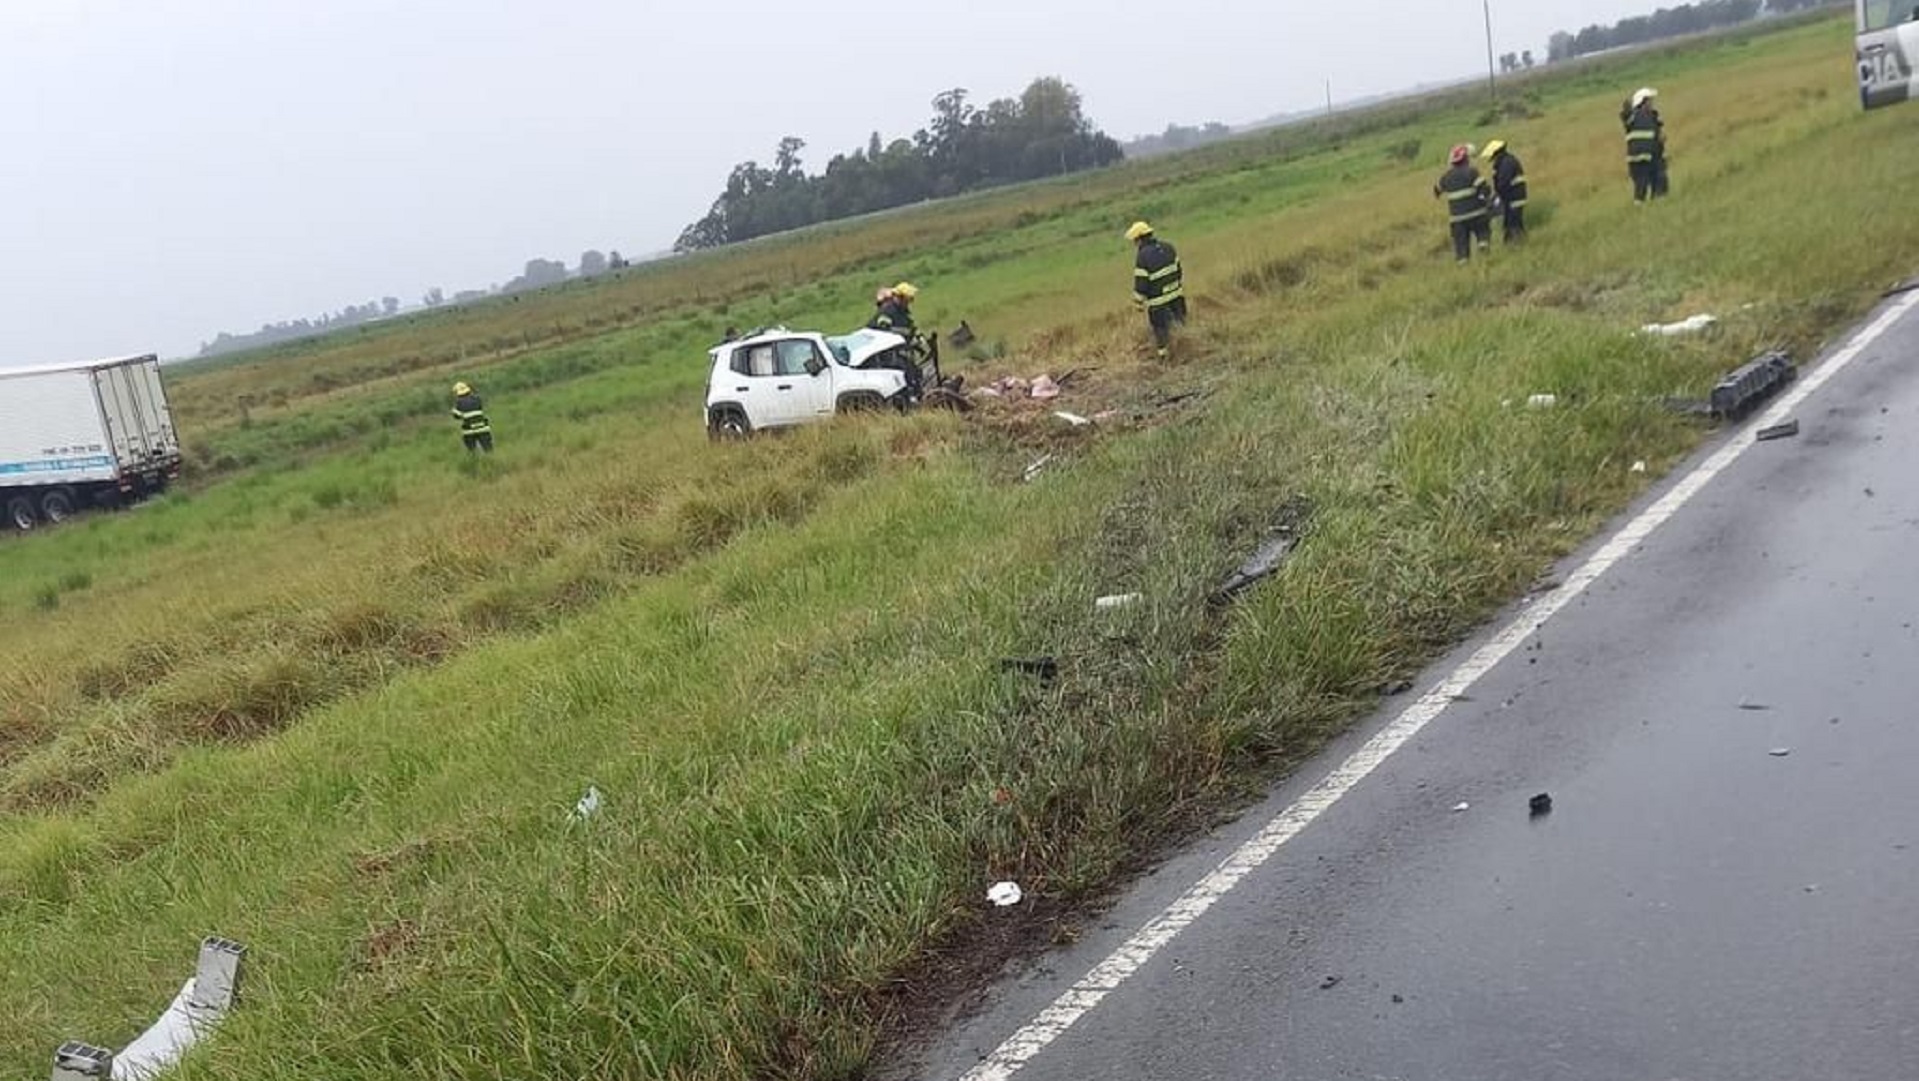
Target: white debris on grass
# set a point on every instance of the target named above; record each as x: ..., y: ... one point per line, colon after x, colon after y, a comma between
x: 1691, y: 325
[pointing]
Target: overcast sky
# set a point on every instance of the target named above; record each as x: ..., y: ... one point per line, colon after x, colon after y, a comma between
x: 173, y: 168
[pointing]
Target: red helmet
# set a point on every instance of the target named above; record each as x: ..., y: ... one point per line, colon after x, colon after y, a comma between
x: 1461, y: 154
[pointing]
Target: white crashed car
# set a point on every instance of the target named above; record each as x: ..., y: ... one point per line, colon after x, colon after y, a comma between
x: 780, y: 378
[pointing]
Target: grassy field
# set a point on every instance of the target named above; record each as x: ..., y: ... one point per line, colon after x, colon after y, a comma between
x: 337, y: 700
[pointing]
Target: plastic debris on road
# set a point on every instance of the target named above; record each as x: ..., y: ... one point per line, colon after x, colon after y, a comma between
x: 1638, y: 467
x: 1539, y: 805
x: 1542, y: 401
x: 1074, y: 419
x: 1044, y: 388
x: 1780, y: 752
x: 1461, y: 807
x: 1037, y: 466
x: 1118, y: 600
x: 1779, y: 431
x: 1005, y: 894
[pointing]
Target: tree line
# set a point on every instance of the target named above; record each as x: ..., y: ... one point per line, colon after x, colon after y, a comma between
x: 1669, y: 23
x: 537, y: 274
x: 1043, y: 132
x: 1175, y: 138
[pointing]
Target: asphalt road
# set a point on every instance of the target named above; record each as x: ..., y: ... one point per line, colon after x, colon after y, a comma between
x: 1727, y: 886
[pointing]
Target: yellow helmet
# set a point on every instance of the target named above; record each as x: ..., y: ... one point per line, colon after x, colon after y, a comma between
x: 462, y: 389
x: 1492, y: 149
x: 906, y: 290
x: 1139, y: 229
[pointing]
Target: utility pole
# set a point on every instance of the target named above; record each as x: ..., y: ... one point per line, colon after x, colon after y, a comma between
x: 1329, y: 97
x: 1492, y: 80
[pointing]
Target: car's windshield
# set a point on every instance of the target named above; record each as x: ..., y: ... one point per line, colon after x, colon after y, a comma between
x: 845, y: 345
x: 1880, y: 14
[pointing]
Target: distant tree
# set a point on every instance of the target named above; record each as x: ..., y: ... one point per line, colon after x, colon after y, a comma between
x: 434, y: 297
x: 390, y: 305
x: 786, y: 159
x: 1043, y: 132
x: 1526, y: 58
x: 538, y: 273
x: 616, y: 261
x: 1661, y: 24
x: 592, y: 263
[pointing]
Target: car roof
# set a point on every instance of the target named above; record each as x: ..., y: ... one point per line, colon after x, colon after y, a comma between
x: 764, y: 334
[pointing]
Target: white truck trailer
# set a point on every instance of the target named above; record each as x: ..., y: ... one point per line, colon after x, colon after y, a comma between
x: 79, y: 435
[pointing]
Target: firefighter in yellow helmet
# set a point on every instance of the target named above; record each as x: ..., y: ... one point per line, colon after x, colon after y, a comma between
x: 1509, y: 190
x: 475, y: 431
x: 895, y: 310
x: 1159, y: 285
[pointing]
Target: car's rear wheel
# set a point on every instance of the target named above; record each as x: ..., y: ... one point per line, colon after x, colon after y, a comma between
x: 729, y: 424
x: 20, y: 513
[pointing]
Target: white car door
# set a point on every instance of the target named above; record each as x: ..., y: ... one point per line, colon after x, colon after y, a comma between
x: 754, y: 380
x: 806, y: 380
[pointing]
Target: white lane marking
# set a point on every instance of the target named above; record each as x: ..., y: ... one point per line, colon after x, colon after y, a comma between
x: 1135, y: 952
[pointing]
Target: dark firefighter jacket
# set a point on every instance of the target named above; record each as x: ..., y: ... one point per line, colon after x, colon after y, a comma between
x: 895, y: 316
x: 1157, y: 277
x: 1465, y: 191
x: 471, y: 415
x: 1645, y: 135
x: 1509, y: 179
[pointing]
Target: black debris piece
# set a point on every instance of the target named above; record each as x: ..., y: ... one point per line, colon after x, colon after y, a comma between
x: 1329, y: 983
x: 1397, y: 999
x: 1690, y: 407
x: 1906, y: 286
x: 1779, y: 431
x: 1541, y: 804
x: 1754, y: 707
x: 1271, y: 553
x: 1751, y: 383
x: 1046, y: 668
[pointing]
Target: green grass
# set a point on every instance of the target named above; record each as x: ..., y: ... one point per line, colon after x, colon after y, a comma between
x: 338, y: 703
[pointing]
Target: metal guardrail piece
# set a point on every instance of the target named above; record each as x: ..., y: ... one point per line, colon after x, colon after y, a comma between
x: 199, y: 1007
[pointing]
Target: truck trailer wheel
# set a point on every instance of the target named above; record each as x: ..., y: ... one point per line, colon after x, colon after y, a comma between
x: 20, y: 513
x: 56, y: 506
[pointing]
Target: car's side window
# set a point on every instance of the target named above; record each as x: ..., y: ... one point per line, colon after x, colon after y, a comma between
x: 795, y: 355
x: 754, y: 360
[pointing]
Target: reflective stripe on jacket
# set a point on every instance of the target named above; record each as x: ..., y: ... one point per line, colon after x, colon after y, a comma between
x: 1465, y: 191
x: 471, y: 415
x: 1509, y: 179
x: 1157, y: 277
x: 1645, y: 136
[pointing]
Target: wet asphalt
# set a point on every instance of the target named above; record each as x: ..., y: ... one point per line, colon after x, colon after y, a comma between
x: 1726, y: 887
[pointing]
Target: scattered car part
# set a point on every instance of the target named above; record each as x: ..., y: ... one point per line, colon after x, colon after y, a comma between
x: 1751, y: 383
